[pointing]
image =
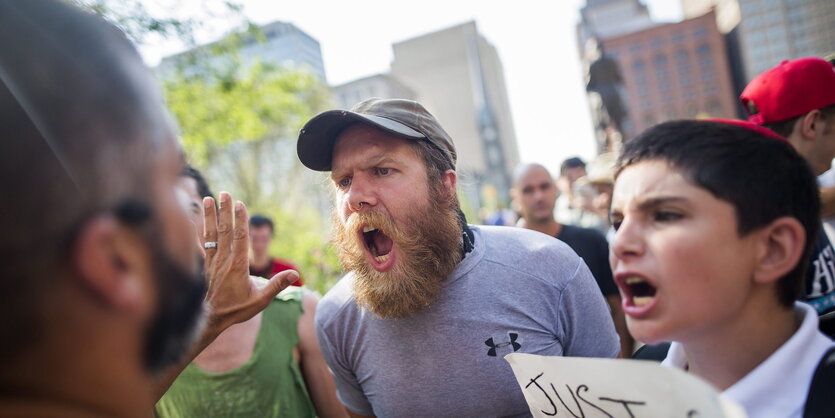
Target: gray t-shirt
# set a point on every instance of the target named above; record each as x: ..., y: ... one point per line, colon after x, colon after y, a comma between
x: 518, y: 290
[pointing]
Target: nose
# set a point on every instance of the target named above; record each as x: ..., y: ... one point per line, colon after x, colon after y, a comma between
x: 628, y: 241
x: 362, y: 194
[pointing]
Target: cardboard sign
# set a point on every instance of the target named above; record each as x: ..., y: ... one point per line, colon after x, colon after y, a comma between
x: 607, y: 388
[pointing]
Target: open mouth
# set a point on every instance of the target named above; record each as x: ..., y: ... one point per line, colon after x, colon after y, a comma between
x: 377, y: 243
x: 639, y: 292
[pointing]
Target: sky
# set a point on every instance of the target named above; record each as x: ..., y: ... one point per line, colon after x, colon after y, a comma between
x: 535, y: 40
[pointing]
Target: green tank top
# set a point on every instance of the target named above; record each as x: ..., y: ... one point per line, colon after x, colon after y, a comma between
x: 270, y: 384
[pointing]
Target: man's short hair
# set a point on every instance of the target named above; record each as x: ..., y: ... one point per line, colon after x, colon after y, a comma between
x: 202, y: 186
x: 573, y: 162
x: 258, y: 221
x: 763, y: 178
x: 785, y: 127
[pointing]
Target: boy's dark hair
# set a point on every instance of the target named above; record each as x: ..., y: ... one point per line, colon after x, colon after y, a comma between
x: 573, y: 162
x: 257, y: 221
x: 762, y: 177
x: 202, y: 187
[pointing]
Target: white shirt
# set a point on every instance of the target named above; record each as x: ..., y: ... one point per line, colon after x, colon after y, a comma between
x: 778, y: 386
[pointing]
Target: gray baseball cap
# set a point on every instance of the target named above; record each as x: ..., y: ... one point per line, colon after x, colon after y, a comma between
x: 406, y: 119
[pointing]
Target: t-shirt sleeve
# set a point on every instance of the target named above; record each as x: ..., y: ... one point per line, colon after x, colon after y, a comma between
x: 588, y: 330
x: 348, y: 390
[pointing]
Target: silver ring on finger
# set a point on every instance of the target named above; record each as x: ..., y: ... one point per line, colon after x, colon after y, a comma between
x: 210, y: 244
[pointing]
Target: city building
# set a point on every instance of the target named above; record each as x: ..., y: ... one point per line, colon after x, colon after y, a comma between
x: 607, y: 18
x: 283, y: 44
x: 770, y: 31
x: 457, y: 74
x: 675, y: 70
x: 383, y: 86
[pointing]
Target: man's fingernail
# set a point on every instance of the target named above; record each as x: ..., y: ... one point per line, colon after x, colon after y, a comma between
x: 238, y: 206
x: 207, y: 203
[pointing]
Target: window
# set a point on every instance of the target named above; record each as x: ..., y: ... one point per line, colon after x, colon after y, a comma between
x: 682, y: 61
x: 660, y: 64
x: 704, y: 56
x: 639, y: 69
x: 656, y: 43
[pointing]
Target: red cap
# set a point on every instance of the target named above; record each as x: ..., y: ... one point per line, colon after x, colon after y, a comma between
x: 790, y: 89
x: 750, y: 126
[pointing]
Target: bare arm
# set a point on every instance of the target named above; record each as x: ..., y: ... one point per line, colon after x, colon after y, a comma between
x: 627, y: 343
x: 232, y: 296
x: 317, y: 376
x: 827, y: 201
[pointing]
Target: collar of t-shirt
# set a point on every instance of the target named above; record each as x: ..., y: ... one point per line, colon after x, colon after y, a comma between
x: 778, y: 386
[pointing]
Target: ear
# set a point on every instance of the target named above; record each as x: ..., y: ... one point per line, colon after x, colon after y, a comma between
x: 783, y: 241
x: 809, y: 124
x: 102, y: 267
x: 514, y: 193
x: 450, y: 181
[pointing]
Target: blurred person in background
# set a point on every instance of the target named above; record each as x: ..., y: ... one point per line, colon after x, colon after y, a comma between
x: 534, y: 192
x: 796, y: 99
x: 253, y: 369
x: 574, y: 203
x: 261, y: 263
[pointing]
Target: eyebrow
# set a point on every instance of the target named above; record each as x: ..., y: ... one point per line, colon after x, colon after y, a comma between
x: 651, y: 203
x: 658, y: 201
x: 370, y: 162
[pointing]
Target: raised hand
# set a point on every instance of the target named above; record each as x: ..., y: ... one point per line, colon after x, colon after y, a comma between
x: 233, y: 296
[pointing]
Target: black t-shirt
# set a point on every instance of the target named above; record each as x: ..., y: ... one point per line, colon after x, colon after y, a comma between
x: 820, y: 281
x: 594, y: 249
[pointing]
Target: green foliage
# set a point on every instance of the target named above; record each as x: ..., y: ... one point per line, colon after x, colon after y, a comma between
x: 265, y: 103
x: 238, y: 123
x: 138, y: 23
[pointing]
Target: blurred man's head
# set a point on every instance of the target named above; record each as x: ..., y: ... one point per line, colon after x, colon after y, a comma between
x: 572, y: 169
x: 535, y: 193
x: 261, y: 232
x: 92, y: 162
x: 396, y: 214
x: 796, y: 99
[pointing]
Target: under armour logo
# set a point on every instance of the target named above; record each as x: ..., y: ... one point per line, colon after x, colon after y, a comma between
x: 493, y: 346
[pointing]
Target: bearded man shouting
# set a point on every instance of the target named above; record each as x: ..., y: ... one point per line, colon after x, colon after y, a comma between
x: 430, y: 305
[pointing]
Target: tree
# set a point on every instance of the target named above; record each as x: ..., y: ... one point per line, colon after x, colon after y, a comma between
x: 144, y: 27
x: 238, y: 123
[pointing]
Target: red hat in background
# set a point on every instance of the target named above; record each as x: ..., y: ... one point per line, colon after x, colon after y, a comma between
x: 790, y: 89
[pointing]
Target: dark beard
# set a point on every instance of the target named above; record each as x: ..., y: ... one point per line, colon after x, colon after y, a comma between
x: 430, y: 247
x: 180, y: 293
x: 179, y: 317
